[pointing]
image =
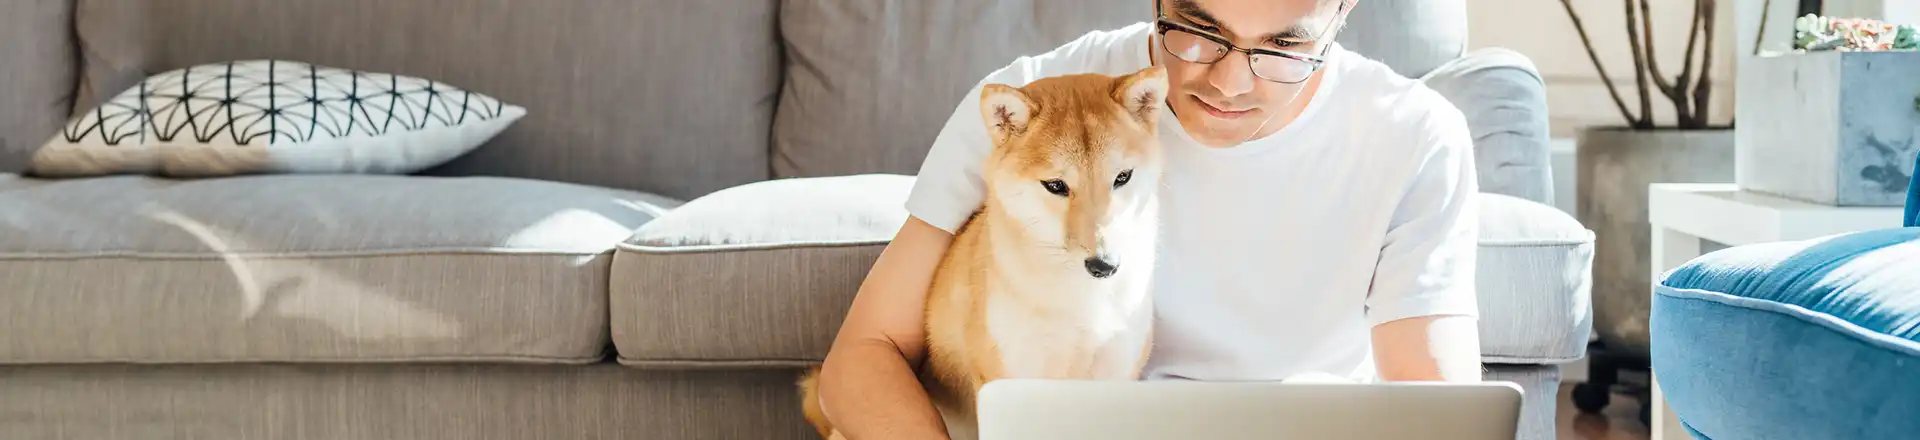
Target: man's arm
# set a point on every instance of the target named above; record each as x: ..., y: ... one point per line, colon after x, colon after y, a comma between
x: 867, y: 386
x: 1423, y: 306
x: 1428, y: 348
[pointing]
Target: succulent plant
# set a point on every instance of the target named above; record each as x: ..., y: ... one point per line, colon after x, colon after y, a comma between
x: 1813, y: 32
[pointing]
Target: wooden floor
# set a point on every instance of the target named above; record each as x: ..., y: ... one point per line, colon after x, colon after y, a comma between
x: 1620, y: 420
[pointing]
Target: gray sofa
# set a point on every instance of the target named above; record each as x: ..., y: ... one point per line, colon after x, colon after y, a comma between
x: 672, y: 232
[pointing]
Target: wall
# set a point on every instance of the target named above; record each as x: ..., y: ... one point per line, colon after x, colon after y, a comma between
x: 1897, y: 11
x: 1576, y: 95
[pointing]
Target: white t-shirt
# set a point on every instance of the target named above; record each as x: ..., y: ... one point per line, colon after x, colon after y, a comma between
x: 1279, y: 255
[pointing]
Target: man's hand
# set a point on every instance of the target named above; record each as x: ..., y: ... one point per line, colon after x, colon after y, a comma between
x: 1428, y: 348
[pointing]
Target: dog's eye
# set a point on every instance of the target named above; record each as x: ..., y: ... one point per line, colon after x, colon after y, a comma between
x: 1055, y: 186
x: 1123, y: 178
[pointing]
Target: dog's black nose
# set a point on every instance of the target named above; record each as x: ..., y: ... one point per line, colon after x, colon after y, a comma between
x: 1100, y: 268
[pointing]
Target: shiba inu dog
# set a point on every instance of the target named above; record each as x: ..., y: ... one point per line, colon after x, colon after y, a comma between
x: 1050, y: 279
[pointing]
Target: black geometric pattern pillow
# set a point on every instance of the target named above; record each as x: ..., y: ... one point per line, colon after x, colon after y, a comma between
x: 275, y: 116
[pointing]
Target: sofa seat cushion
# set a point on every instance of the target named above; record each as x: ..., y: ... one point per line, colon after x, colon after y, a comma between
x: 762, y: 274
x: 308, y: 268
x: 756, y: 275
x: 1800, y: 339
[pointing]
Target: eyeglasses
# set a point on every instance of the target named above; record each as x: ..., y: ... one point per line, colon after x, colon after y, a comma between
x: 1197, y: 46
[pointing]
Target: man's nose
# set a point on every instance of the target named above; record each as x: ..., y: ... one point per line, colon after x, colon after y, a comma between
x: 1232, y: 75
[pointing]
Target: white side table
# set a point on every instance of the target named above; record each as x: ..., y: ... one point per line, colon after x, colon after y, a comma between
x: 1683, y: 213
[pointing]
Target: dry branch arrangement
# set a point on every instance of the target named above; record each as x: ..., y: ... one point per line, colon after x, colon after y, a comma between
x: 1687, y: 92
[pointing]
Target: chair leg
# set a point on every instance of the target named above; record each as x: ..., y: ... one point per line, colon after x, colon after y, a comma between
x: 1603, y: 381
x: 1602, y: 373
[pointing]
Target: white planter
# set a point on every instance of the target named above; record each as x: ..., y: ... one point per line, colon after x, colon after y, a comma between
x: 1616, y: 166
x: 1835, y: 128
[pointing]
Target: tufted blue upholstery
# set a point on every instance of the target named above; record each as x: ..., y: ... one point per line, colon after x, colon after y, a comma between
x: 1913, y: 195
x: 1814, y: 339
x: 1808, y: 339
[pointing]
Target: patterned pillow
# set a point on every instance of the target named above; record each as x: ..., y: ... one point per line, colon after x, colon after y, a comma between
x: 274, y: 116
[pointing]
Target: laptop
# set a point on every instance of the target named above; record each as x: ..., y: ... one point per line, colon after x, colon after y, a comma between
x: 1033, y: 409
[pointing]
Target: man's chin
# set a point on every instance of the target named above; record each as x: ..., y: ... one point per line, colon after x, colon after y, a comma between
x: 1215, y: 132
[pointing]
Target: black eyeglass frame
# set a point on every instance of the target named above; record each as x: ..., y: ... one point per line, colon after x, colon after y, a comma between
x: 1163, y: 24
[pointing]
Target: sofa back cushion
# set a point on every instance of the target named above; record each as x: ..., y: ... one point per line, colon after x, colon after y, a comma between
x: 670, y: 97
x: 36, y: 76
x: 1411, y: 36
x: 870, y: 82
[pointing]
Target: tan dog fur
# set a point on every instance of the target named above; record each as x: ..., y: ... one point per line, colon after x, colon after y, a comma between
x: 1014, y: 296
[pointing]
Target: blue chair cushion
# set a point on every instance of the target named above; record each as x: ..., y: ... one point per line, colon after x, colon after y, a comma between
x: 1812, y: 339
x: 1913, y: 194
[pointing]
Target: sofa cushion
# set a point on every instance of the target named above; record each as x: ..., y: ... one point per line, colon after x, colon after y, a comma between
x: 1794, y: 339
x: 36, y: 76
x: 274, y: 117
x: 1411, y: 36
x: 308, y: 268
x: 762, y: 274
x: 891, y: 72
x: 759, y: 274
x: 668, y: 97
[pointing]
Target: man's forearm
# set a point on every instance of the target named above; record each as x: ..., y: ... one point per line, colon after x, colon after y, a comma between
x: 1430, y: 348
x: 870, y: 392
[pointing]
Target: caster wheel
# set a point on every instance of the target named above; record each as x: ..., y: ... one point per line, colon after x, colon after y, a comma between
x: 1590, y: 398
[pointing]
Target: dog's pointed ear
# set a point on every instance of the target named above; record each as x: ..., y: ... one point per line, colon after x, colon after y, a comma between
x: 1006, y: 110
x: 1143, y: 93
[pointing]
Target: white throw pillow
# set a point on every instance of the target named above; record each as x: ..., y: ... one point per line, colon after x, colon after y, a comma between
x: 274, y: 116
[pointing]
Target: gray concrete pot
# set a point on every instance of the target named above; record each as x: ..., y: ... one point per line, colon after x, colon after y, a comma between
x: 1616, y: 165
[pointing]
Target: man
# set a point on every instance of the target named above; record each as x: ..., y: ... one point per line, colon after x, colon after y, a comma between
x: 1319, y: 215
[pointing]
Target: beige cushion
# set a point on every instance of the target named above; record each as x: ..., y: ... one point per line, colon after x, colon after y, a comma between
x: 668, y: 97
x: 759, y: 274
x: 1411, y: 36
x: 36, y: 76
x: 763, y: 274
x: 869, y: 83
x: 308, y: 268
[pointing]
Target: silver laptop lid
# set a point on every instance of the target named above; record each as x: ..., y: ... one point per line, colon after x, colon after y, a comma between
x: 1027, y: 409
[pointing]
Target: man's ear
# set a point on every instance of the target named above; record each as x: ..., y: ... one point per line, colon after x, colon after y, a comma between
x: 1006, y: 110
x: 1143, y: 93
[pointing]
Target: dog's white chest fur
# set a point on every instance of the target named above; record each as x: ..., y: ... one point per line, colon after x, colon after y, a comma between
x: 1082, y: 332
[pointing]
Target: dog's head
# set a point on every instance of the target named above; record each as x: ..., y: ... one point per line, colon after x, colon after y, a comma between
x: 1077, y: 162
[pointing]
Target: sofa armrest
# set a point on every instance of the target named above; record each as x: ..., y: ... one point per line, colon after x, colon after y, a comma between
x: 1535, y: 281
x: 1505, y: 102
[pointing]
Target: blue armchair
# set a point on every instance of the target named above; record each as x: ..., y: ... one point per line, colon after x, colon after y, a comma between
x: 1811, y: 339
